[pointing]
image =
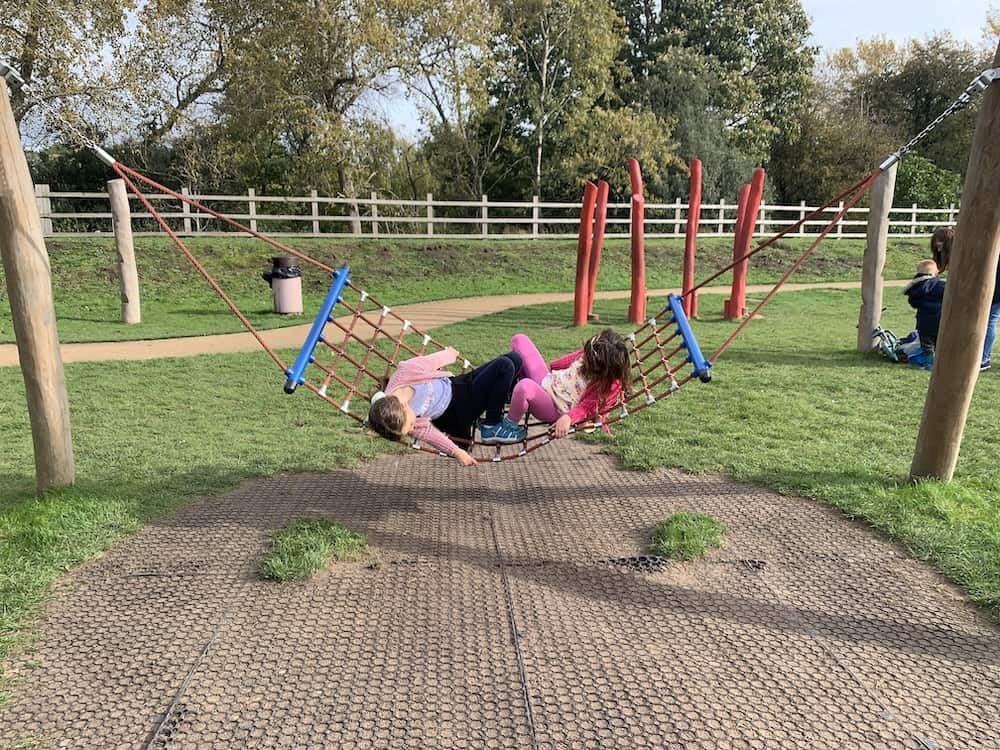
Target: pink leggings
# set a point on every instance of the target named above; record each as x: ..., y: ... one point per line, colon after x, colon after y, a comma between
x: 529, y: 396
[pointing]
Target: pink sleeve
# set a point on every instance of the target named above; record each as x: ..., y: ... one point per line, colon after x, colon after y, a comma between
x: 427, y: 432
x: 566, y: 360
x: 589, y: 404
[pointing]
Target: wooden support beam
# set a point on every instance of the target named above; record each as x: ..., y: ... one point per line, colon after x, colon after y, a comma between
x: 971, y: 276
x: 29, y: 287
x: 121, y: 222
x: 874, y: 261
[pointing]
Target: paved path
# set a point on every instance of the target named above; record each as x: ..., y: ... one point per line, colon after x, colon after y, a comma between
x: 424, y: 315
x: 509, y: 606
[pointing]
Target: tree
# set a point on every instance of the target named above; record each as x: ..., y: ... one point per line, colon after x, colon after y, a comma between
x: 557, y: 56
x: 57, y: 46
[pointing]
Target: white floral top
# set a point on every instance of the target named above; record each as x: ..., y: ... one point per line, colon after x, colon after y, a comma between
x: 565, y: 386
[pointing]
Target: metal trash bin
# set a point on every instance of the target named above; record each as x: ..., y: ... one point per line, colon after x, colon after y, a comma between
x: 285, y: 278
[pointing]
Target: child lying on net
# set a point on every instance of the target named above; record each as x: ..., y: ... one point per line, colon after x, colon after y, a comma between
x: 430, y: 403
x: 578, y: 386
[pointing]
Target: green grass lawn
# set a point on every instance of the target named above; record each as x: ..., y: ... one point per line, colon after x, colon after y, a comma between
x: 790, y: 407
x: 176, y: 301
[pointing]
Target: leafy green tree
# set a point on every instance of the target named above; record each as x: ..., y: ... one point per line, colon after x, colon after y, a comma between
x: 57, y: 46
x: 556, y: 57
x: 745, y: 68
x: 920, y: 181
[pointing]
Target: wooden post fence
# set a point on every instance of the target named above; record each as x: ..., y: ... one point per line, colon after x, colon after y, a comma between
x: 874, y: 259
x: 44, y: 208
x: 29, y: 287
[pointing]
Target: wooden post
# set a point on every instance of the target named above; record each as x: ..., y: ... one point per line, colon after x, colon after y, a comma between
x: 252, y: 204
x: 913, y: 220
x: 374, y: 206
x: 971, y: 276
x: 722, y: 215
x: 185, y: 209
x: 29, y: 288
x: 485, y: 217
x: 315, y: 210
x: 121, y: 222
x: 582, y: 287
x: 44, y: 207
x: 874, y: 260
x: 677, y: 217
x: 535, y: 214
x: 637, y: 299
x: 597, y: 244
x: 430, y: 214
x: 802, y: 216
x: 691, y: 239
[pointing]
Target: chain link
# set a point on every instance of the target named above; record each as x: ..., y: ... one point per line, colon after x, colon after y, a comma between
x: 10, y: 73
x: 980, y: 83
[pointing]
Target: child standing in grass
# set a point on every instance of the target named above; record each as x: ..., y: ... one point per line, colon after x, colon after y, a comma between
x: 429, y: 403
x: 578, y: 386
x: 925, y: 293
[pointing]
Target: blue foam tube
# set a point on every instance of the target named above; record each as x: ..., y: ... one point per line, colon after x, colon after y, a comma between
x: 702, y: 367
x: 297, y: 371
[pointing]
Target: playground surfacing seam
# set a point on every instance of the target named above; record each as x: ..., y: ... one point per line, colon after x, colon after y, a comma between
x: 509, y: 607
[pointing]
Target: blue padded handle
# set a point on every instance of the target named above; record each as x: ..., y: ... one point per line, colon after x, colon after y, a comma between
x: 702, y: 367
x: 297, y: 371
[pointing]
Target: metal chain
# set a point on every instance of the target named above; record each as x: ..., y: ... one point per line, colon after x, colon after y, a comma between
x: 980, y: 83
x: 10, y: 73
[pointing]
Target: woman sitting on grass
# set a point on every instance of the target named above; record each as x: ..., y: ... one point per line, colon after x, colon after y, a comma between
x: 430, y: 404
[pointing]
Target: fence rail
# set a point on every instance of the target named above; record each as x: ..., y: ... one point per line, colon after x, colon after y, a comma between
x: 88, y: 213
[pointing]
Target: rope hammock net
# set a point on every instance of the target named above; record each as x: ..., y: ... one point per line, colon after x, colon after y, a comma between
x: 345, y: 358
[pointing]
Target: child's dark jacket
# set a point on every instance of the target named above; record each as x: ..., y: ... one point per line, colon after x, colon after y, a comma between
x: 925, y: 293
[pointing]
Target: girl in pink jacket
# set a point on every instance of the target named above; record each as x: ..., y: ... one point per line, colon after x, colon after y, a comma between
x: 575, y: 387
x: 430, y: 403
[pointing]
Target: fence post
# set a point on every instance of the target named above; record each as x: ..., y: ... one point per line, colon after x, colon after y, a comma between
x: 874, y: 259
x: 430, y: 214
x: 315, y: 210
x: 951, y: 214
x: 485, y: 219
x: 251, y: 194
x: 913, y: 220
x: 374, y: 197
x: 761, y: 222
x: 840, y: 224
x: 185, y: 210
x: 44, y: 208
x: 802, y: 217
x: 722, y: 215
x: 29, y: 291
x: 121, y: 222
x: 677, y: 217
x: 535, y: 215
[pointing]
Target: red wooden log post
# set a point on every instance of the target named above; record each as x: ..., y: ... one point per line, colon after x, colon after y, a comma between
x: 736, y: 307
x: 581, y: 303
x: 691, y: 239
x: 637, y: 304
x: 597, y: 245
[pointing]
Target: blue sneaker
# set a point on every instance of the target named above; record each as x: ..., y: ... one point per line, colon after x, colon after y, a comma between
x: 504, y: 431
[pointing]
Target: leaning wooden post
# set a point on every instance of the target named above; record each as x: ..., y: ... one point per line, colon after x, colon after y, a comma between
x: 582, y: 287
x: 971, y: 275
x: 29, y: 286
x: 597, y: 244
x: 121, y: 222
x: 691, y: 240
x: 637, y: 300
x: 882, y: 192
